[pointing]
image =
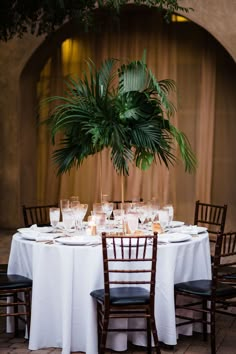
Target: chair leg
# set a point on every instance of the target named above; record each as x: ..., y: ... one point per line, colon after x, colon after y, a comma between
x: 103, y: 327
x: 15, y: 309
x: 204, y: 317
x: 99, y: 319
x: 102, y: 347
x: 213, y: 328
x: 28, y: 309
x: 149, y: 336
x: 154, y: 333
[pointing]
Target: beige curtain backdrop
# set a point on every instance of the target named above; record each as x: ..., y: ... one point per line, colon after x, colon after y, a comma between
x: 180, y: 51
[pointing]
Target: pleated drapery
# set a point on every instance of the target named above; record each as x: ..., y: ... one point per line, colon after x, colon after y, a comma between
x: 183, y: 52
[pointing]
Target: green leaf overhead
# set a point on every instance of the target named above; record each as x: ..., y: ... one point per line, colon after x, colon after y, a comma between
x: 18, y: 17
x: 120, y: 107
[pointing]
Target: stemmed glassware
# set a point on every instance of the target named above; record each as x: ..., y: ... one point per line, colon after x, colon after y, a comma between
x: 107, y: 208
x: 170, y: 209
x: 68, y: 218
x: 142, y: 210
x: 64, y: 204
x: 54, y: 215
x: 74, y: 198
x: 163, y: 218
x: 153, y: 208
x: 75, y: 204
x: 118, y: 216
x: 81, y: 212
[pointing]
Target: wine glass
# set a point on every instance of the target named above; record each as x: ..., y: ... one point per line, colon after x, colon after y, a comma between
x: 64, y: 204
x: 163, y: 218
x: 118, y: 216
x: 142, y: 212
x: 97, y: 207
x: 107, y: 209
x: 82, y: 210
x: 105, y: 198
x: 132, y: 220
x: 75, y: 209
x: 74, y: 198
x: 153, y: 208
x: 68, y: 218
x: 170, y: 209
x: 54, y: 215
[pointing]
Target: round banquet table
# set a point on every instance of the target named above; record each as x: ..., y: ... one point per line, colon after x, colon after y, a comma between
x: 63, y: 312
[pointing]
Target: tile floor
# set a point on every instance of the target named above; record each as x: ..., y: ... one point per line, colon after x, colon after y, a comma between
x: 226, y: 329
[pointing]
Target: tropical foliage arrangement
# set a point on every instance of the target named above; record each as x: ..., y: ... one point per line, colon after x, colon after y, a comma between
x: 121, y: 107
x: 18, y: 17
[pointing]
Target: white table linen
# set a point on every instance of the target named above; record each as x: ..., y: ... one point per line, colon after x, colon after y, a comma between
x: 64, y: 313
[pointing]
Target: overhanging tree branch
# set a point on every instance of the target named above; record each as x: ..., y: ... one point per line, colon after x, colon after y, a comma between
x: 39, y: 17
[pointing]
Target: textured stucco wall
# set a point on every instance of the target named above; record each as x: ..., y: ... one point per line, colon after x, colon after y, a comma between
x: 218, y: 17
x: 17, y: 172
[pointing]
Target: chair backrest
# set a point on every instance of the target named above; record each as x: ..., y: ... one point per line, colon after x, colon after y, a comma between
x: 129, y: 261
x: 211, y: 216
x: 223, y: 260
x: 117, y: 203
x: 227, y: 255
x: 38, y: 214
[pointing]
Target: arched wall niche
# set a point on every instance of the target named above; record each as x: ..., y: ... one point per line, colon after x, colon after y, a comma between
x: 28, y: 113
x: 218, y: 18
x: 22, y: 60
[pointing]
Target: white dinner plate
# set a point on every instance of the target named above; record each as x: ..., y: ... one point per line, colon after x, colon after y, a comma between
x: 79, y: 240
x: 174, y: 237
x: 43, y: 229
x: 39, y: 236
x: 192, y: 229
x: 176, y: 223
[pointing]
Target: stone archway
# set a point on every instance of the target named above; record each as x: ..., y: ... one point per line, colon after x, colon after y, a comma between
x: 21, y: 61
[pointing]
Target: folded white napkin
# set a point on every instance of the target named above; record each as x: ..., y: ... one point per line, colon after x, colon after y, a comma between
x: 191, y: 229
x: 45, y: 237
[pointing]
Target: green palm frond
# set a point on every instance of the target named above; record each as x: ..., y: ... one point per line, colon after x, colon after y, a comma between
x: 123, y: 108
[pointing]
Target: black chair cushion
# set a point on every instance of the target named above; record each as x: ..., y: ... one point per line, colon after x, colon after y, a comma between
x: 228, y: 272
x: 14, y: 281
x: 203, y: 288
x: 124, y: 296
x: 230, y: 276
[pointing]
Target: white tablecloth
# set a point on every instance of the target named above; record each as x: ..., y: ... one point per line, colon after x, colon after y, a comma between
x: 63, y: 312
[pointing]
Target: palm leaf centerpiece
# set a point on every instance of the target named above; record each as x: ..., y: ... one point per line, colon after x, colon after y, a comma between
x: 120, y: 107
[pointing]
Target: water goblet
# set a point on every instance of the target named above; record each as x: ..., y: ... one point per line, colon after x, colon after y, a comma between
x: 100, y: 219
x: 107, y: 209
x: 82, y: 210
x: 153, y: 209
x: 170, y: 209
x: 75, y: 209
x: 64, y: 204
x: 68, y: 219
x: 163, y: 215
x: 105, y: 198
x: 74, y: 198
x: 54, y: 215
x: 97, y: 207
x: 118, y: 216
x: 142, y: 212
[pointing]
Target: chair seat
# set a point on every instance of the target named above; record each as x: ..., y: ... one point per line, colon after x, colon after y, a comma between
x: 14, y: 281
x: 124, y: 296
x: 230, y: 276
x: 203, y: 288
x: 228, y: 272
